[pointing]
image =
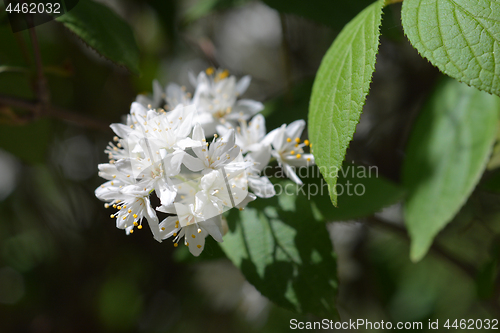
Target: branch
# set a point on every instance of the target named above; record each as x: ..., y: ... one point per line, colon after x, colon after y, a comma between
x: 469, y: 270
x: 42, y: 91
x: 76, y: 118
x: 41, y: 106
x: 55, y: 112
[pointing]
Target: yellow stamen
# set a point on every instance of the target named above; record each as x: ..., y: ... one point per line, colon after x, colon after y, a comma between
x: 139, y: 227
x: 198, y: 246
x: 131, y: 231
x: 175, y: 244
x: 299, y: 156
x: 306, y: 142
x: 288, y: 140
x: 223, y: 75
x: 292, y: 152
x: 193, y: 236
x: 136, y: 224
x: 209, y: 70
x: 297, y: 140
x: 135, y: 216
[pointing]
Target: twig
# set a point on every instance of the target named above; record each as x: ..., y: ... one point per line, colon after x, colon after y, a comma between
x: 19, y: 103
x: 55, y: 112
x: 76, y: 118
x: 42, y: 92
x: 41, y: 106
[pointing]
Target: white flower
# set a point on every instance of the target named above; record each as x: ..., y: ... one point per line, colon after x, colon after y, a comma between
x: 260, y: 185
x: 157, y: 144
x: 288, y: 149
x: 216, y: 99
x: 170, y: 97
x: 130, y: 199
x: 218, y: 154
x: 249, y: 135
x: 194, y: 234
x: 152, y: 101
x: 161, y: 148
x: 177, y: 95
x: 197, y: 214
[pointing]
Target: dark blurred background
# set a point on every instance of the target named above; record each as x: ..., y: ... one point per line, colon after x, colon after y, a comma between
x: 64, y: 267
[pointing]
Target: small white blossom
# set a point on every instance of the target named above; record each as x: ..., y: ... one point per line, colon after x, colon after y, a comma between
x: 216, y: 99
x: 288, y: 149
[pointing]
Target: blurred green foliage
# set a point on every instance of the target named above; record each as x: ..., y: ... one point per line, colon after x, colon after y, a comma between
x: 64, y: 267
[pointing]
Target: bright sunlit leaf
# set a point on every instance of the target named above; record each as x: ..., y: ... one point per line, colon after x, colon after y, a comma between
x: 340, y: 90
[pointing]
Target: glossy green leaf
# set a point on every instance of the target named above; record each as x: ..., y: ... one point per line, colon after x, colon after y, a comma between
x: 460, y: 37
x: 340, y: 90
x: 283, y: 248
x: 446, y: 156
x: 104, y: 31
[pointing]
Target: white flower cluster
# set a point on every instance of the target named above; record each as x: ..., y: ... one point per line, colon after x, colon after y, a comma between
x: 195, y: 181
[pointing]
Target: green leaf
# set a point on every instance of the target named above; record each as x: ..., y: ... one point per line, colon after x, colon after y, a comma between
x: 340, y: 90
x: 104, y: 31
x: 446, y: 156
x: 288, y: 259
x: 459, y: 37
x: 331, y: 13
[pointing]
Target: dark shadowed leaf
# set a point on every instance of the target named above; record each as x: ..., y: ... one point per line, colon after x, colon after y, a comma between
x: 446, y: 156
x: 104, y: 31
x: 283, y: 248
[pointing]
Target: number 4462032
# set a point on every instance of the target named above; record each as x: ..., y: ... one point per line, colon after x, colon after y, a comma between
x: 472, y: 324
x: 33, y: 8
